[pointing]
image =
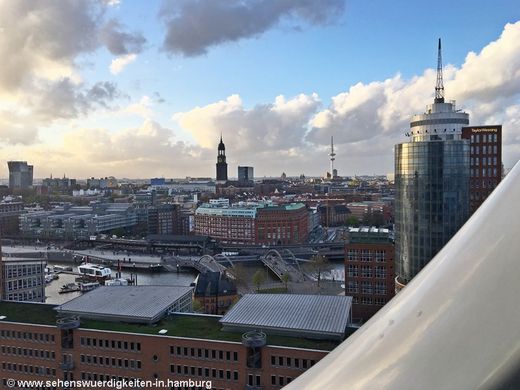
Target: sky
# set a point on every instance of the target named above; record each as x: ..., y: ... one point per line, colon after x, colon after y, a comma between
x: 141, y: 89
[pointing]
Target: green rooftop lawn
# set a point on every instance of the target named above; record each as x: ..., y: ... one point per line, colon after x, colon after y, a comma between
x: 177, y: 325
x: 31, y: 313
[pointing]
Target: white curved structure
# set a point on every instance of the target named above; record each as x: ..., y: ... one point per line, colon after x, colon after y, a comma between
x: 456, y: 325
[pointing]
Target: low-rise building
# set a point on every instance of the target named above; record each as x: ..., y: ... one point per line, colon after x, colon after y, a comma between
x: 36, y: 345
x: 215, y: 292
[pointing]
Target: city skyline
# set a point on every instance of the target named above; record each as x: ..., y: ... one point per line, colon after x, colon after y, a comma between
x: 131, y: 92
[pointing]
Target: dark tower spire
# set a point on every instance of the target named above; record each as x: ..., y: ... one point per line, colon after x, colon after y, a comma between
x: 439, y: 86
x: 221, y: 161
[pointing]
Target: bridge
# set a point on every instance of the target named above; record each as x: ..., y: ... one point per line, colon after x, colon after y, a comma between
x: 202, y: 264
x: 279, y: 266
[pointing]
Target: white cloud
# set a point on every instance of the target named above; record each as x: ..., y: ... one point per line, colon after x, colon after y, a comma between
x: 371, y: 118
x: 119, y: 63
x: 143, y: 108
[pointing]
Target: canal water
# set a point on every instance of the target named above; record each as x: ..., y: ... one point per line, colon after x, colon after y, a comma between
x: 143, y: 278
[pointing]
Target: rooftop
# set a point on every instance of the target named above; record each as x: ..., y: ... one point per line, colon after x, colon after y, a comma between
x: 127, y: 303
x: 190, y: 326
x: 310, y: 315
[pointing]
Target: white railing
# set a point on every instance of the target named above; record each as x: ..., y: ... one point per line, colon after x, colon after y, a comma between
x: 456, y: 325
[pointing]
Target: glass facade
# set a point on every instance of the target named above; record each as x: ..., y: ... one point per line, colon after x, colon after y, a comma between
x: 432, y: 200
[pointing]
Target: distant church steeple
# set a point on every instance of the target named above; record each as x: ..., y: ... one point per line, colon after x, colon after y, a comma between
x: 221, y: 161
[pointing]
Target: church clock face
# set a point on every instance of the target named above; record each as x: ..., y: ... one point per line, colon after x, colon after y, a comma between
x: 220, y: 159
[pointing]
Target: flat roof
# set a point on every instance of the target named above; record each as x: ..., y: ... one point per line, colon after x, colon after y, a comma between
x: 321, y: 315
x: 130, y: 303
x: 178, y: 325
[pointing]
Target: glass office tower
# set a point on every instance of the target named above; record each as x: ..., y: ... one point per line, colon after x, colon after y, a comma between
x: 432, y: 187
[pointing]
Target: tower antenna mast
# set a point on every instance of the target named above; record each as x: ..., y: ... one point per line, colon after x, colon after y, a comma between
x: 439, y: 86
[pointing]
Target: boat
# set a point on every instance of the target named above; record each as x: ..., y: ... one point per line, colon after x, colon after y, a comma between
x: 69, y: 287
x: 60, y: 268
x: 117, y: 282
x: 94, y: 271
x: 49, y: 278
x: 84, y: 287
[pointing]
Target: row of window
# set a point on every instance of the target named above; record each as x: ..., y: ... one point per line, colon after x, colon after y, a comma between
x: 19, y: 284
x: 366, y: 271
x: 36, y: 294
x: 29, y: 369
x: 484, y: 137
x: 366, y: 287
x: 36, y: 353
x: 19, y: 270
x: 93, y: 376
x: 486, y: 184
x: 484, y: 172
x: 286, y: 361
x: 27, y: 336
x: 368, y: 301
x: 204, y: 372
x: 486, y: 161
x: 107, y: 361
x: 366, y: 255
x: 201, y: 353
x: 280, y: 380
x: 110, y: 344
x: 491, y: 149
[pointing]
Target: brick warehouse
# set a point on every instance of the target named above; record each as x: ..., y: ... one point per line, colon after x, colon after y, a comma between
x: 369, y: 270
x: 34, y: 345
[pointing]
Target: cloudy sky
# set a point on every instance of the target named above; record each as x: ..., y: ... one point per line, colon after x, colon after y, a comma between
x: 143, y: 89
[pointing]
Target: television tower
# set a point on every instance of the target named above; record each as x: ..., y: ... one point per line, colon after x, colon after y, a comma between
x: 332, y: 156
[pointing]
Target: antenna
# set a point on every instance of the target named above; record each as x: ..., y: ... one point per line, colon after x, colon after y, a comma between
x: 439, y: 87
x: 332, y: 156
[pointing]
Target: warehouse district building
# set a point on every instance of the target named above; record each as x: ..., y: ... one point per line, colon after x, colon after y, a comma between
x: 68, y: 342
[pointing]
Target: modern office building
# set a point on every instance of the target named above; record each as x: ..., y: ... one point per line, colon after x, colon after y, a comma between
x: 10, y: 212
x: 20, y: 175
x: 221, y: 162
x: 22, y: 279
x: 78, y: 222
x: 485, y: 161
x: 431, y: 184
x: 369, y: 270
x: 36, y: 345
x: 245, y: 174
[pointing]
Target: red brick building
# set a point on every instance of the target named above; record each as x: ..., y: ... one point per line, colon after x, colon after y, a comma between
x: 369, y: 270
x: 485, y: 161
x: 282, y: 225
x: 33, y: 346
x: 254, y: 224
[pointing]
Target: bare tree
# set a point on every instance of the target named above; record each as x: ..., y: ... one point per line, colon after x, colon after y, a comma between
x: 317, y: 266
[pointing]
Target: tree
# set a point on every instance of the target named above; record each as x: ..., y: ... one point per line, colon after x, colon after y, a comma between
x: 197, y: 306
x: 240, y: 274
x: 352, y: 221
x: 286, y: 278
x: 317, y: 266
x: 258, y: 279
